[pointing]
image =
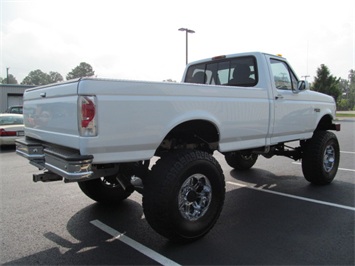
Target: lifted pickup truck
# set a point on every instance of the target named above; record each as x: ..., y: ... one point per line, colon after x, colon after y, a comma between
x: 102, y: 134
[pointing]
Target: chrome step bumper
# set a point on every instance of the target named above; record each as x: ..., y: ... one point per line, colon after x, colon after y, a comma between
x: 64, y: 162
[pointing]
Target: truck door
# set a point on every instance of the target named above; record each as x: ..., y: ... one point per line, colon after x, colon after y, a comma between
x: 293, y: 112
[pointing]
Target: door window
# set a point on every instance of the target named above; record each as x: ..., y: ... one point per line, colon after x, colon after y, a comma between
x: 283, y: 76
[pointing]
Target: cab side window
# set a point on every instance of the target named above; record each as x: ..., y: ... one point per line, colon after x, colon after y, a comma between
x: 283, y: 76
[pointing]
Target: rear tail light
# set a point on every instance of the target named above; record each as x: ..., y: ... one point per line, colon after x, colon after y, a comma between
x: 87, y: 116
x: 4, y: 133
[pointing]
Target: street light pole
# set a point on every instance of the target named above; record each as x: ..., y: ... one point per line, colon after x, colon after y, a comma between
x: 187, y: 40
x: 7, y: 75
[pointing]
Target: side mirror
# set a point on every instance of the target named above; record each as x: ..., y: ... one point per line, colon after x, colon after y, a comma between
x: 302, y: 85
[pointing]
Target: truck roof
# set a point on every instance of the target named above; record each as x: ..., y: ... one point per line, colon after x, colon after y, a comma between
x: 220, y: 57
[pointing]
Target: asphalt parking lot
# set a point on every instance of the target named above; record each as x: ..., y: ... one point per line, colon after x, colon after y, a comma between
x: 271, y: 216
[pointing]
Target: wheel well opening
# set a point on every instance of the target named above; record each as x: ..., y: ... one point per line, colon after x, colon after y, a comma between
x: 192, y: 134
x: 325, y: 123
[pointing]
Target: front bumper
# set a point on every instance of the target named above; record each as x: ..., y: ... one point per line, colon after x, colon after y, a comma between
x: 67, y: 163
x: 336, y: 127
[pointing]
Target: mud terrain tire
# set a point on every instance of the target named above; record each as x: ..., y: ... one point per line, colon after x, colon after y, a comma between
x: 184, y: 195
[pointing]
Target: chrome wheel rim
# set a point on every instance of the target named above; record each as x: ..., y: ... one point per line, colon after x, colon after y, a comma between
x: 247, y: 157
x: 109, y: 181
x: 328, y: 158
x: 195, y: 196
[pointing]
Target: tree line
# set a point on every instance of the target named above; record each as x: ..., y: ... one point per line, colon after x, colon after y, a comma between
x: 39, y: 78
x: 342, y: 90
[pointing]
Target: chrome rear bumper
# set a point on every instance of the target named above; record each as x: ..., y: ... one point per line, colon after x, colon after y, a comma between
x: 67, y: 163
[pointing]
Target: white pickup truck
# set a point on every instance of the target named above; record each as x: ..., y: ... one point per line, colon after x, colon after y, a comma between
x: 102, y: 134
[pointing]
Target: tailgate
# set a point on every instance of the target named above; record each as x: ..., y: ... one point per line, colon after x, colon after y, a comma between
x: 50, y: 113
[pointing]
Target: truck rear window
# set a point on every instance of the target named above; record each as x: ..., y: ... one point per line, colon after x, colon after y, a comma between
x: 240, y: 71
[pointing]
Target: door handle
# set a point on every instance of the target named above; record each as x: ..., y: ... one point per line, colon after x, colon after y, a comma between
x: 279, y: 96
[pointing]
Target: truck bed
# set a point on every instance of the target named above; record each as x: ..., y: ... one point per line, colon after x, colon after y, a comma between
x: 135, y: 116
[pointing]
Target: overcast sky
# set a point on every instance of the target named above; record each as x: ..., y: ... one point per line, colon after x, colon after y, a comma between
x: 139, y: 39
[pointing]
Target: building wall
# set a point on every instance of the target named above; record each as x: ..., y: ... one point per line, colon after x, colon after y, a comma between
x: 11, y: 94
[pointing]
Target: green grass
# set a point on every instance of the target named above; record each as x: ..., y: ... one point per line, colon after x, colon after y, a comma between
x: 345, y: 115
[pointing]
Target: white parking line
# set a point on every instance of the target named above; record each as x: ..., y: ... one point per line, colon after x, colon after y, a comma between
x: 134, y: 244
x: 349, y: 152
x: 342, y: 169
x: 346, y: 169
x: 293, y: 196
